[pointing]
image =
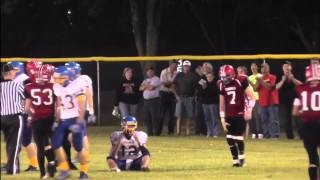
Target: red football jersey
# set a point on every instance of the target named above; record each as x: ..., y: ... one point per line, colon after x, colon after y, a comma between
x: 234, y: 97
x: 309, y: 100
x: 42, y: 98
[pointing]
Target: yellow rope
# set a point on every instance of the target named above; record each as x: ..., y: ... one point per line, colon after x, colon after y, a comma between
x: 166, y: 58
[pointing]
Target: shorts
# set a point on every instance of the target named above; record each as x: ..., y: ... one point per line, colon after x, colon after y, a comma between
x: 135, y: 165
x: 185, y: 107
x: 237, y: 126
x: 64, y: 128
x: 26, y: 132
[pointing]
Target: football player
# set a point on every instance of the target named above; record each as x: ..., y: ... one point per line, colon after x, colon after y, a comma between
x: 70, y: 112
x: 31, y: 148
x: 40, y: 106
x: 79, y: 78
x: 307, y: 106
x: 129, y: 150
x: 232, y: 107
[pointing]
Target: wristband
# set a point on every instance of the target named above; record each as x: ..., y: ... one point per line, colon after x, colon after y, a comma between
x: 222, y: 114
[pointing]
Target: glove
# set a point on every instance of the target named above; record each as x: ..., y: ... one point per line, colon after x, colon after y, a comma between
x: 54, y: 126
x: 116, y: 112
x: 92, y: 119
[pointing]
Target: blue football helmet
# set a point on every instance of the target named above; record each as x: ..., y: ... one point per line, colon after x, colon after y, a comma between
x: 129, y: 125
x: 18, y: 65
x: 62, y: 75
x: 75, y: 68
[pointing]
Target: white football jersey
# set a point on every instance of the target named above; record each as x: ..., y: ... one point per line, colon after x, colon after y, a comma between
x: 86, y: 81
x: 69, y: 107
x: 129, y: 148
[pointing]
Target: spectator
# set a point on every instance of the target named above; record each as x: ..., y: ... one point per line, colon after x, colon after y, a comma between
x: 268, y: 100
x: 202, y: 71
x: 151, y: 87
x: 209, y: 94
x: 168, y: 102
x: 255, y: 123
x: 127, y: 94
x: 286, y: 87
x: 184, y: 87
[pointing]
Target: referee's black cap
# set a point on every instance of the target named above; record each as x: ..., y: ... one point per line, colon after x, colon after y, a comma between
x: 7, y: 68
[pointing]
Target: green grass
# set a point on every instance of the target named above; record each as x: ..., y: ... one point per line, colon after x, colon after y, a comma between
x: 195, y: 157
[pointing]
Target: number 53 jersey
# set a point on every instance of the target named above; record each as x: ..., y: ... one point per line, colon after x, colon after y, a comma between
x: 308, y: 98
x: 42, y: 100
x: 69, y: 107
x: 129, y: 148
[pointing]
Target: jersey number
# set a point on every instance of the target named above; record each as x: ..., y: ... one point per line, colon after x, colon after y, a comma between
x: 233, y: 98
x: 68, y: 103
x: 315, y: 101
x: 37, y: 98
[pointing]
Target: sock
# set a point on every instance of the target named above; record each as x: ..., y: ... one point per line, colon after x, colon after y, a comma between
x: 49, y: 155
x: 33, y: 161
x: 84, y: 168
x: 313, y: 173
x: 240, y: 144
x: 67, y: 149
x: 63, y: 166
x: 233, y: 149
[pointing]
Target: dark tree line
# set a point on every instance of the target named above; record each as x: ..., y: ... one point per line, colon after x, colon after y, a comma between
x: 58, y: 28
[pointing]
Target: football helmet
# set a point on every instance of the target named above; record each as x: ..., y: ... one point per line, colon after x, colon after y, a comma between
x: 45, y: 72
x: 61, y: 75
x: 227, y: 74
x: 75, y: 69
x: 313, y: 71
x: 129, y: 125
x: 32, y: 68
x: 18, y: 66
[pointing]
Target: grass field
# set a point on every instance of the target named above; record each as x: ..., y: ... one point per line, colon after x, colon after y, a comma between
x: 195, y: 157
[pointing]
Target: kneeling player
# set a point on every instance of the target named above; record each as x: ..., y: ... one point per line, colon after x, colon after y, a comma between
x: 307, y: 105
x: 232, y: 108
x: 129, y: 150
x: 70, y: 111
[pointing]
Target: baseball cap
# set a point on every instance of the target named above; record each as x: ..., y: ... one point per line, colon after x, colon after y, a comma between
x: 7, y: 68
x: 186, y: 63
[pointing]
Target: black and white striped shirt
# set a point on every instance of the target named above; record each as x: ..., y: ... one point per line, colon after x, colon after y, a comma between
x: 12, y: 98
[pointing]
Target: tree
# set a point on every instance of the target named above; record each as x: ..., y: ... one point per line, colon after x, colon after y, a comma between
x: 146, y: 19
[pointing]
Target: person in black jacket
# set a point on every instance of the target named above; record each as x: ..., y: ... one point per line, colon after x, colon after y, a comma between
x: 209, y: 94
x: 127, y: 94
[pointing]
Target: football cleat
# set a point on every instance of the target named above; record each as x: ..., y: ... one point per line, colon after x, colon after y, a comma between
x: 83, y: 176
x: 31, y: 169
x: 63, y: 175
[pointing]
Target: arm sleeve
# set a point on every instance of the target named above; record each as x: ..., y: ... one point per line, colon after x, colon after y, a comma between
x: 245, y: 84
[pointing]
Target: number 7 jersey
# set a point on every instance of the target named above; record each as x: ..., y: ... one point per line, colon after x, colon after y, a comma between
x: 234, y: 94
x: 42, y: 100
x: 308, y: 98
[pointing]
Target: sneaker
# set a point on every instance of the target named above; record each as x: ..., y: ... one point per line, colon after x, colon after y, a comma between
x: 72, y: 166
x: 63, y: 175
x: 51, y: 168
x: 242, y: 163
x: 236, y: 165
x: 83, y: 176
x: 145, y: 169
x: 253, y: 136
x: 31, y: 169
x: 260, y: 136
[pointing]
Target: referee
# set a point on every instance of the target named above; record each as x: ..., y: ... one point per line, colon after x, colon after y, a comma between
x: 12, y: 105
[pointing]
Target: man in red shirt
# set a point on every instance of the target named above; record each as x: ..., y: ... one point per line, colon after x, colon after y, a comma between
x: 269, y: 100
x: 307, y: 106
